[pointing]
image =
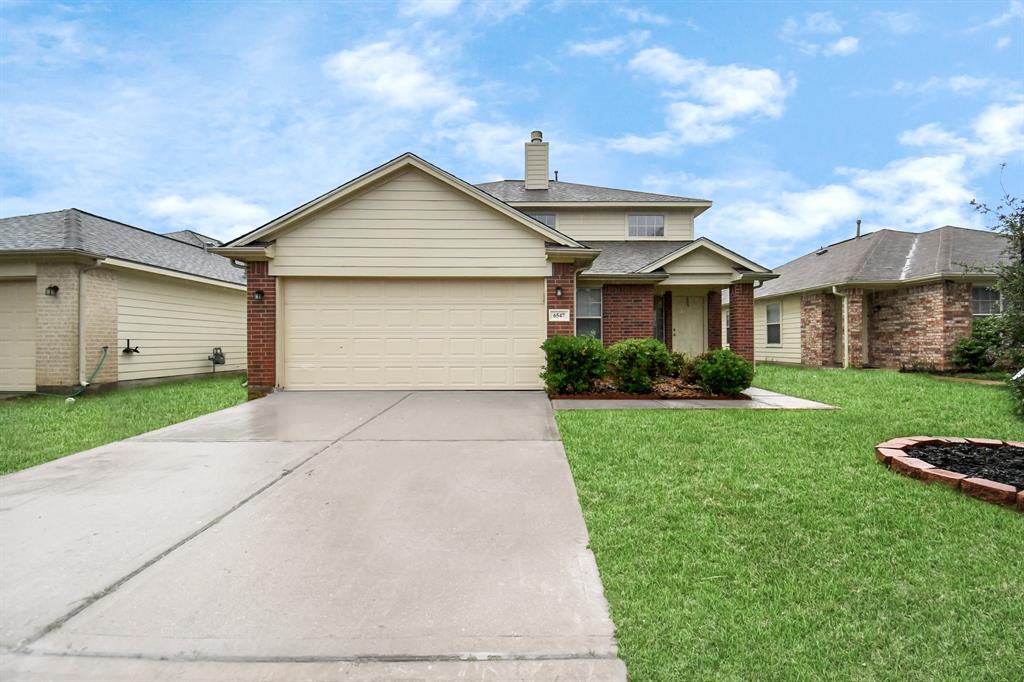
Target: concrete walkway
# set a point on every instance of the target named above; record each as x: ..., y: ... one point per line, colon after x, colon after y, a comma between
x: 321, y: 536
x: 760, y: 399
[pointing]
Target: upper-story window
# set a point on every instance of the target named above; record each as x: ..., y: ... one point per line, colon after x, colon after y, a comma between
x: 546, y: 218
x: 985, y: 301
x: 646, y: 226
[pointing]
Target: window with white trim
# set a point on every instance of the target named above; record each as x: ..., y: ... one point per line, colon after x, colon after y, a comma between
x: 773, y: 320
x: 588, y: 312
x: 985, y: 301
x: 646, y: 225
x: 546, y: 218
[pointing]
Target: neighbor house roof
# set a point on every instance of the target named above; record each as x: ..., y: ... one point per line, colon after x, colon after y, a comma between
x: 514, y: 191
x: 192, y: 237
x: 890, y: 256
x: 73, y: 231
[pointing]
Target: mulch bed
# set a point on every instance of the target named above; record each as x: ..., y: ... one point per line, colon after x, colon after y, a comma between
x: 1000, y: 463
x: 665, y: 389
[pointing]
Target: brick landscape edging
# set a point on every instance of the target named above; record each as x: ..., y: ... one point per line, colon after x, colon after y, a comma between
x: 893, y: 454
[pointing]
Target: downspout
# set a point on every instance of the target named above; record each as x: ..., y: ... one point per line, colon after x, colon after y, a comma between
x: 846, y: 326
x: 82, y: 381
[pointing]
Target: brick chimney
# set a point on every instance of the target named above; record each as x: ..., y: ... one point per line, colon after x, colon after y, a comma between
x: 536, y: 162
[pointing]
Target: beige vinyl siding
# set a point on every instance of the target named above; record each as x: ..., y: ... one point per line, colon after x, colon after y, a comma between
x: 18, y: 335
x: 789, y: 350
x: 611, y: 223
x: 176, y: 324
x: 411, y: 334
x: 411, y: 225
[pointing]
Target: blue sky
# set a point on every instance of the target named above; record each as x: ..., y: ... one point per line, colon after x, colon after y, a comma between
x: 794, y: 118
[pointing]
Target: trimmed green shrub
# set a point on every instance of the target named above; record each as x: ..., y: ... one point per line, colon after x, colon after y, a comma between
x: 573, y: 364
x: 636, y: 363
x: 981, y: 350
x: 683, y: 368
x: 723, y: 372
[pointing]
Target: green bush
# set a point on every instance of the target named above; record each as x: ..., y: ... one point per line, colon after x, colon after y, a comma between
x: 636, y: 363
x: 683, y: 368
x: 573, y: 364
x: 980, y: 351
x: 722, y: 372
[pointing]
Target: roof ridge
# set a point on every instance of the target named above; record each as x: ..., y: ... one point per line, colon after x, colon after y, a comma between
x: 134, y: 227
x: 72, y: 229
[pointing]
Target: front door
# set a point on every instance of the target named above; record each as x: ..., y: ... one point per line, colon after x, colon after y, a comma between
x: 689, y: 324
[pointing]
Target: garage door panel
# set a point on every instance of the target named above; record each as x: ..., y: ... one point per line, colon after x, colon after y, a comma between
x: 18, y: 335
x: 412, y: 333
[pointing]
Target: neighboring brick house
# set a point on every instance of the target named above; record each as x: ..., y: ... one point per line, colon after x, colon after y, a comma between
x: 72, y: 283
x: 887, y: 299
x: 409, y: 277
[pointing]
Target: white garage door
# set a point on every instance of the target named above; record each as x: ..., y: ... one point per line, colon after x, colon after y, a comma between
x: 414, y: 333
x: 18, y: 336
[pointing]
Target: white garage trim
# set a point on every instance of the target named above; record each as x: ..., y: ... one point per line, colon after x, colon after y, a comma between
x: 18, y: 335
x: 355, y: 333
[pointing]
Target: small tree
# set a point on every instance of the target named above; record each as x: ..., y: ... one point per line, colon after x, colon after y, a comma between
x: 1009, y: 222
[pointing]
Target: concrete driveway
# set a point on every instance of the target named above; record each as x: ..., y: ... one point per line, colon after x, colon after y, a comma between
x: 319, y: 536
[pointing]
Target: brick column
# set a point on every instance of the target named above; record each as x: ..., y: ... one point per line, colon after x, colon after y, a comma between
x: 856, y: 316
x: 562, y: 275
x: 741, y: 319
x: 262, y: 328
x: 714, y: 319
x: 666, y: 306
x: 957, y: 318
x: 817, y: 329
x: 628, y: 312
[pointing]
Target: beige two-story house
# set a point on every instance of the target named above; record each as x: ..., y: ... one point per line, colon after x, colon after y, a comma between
x: 409, y: 277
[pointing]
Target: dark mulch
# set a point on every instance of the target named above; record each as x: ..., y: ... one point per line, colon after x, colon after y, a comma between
x: 1000, y: 463
x: 664, y: 389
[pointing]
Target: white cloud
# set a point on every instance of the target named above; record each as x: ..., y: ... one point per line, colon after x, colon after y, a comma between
x: 1013, y: 12
x: 498, y: 10
x: 897, y: 22
x: 1003, y: 43
x: 396, y: 77
x: 216, y: 215
x: 600, y: 48
x: 806, y: 34
x: 428, y: 8
x: 641, y: 15
x: 711, y: 101
x: 771, y: 216
x: 846, y: 45
x: 960, y: 84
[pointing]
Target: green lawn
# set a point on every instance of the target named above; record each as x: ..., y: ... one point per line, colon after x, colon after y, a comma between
x: 37, y: 429
x: 768, y: 545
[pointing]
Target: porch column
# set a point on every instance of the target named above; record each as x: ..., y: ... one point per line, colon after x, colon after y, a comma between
x: 714, y: 319
x: 262, y: 327
x: 563, y: 276
x: 741, y: 319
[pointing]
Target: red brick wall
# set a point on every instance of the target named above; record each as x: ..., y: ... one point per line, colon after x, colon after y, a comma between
x: 818, y: 329
x: 666, y: 303
x: 628, y: 312
x: 562, y: 275
x: 262, y: 326
x: 918, y: 325
x: 856, y: 318
x: 741, y: 320
x: 714, y: 320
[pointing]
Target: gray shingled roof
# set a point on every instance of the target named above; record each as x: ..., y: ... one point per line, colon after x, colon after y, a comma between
x: 621, y: 258
x: 192, y: 237
x: 890, y: 256
x: 75, y: 230
x: 514, y: 191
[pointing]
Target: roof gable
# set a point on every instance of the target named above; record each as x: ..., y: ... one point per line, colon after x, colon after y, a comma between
x: 396, y: 166
x: 703, y: 243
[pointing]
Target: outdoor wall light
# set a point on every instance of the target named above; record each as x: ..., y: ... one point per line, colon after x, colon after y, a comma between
x: 558, y: 292
x: 52, y: 290
x: 257, y: 295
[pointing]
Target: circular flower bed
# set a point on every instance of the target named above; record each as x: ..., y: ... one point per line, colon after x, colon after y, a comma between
x: 991, y: 470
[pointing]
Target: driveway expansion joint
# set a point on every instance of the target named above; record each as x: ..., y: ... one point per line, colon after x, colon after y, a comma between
x: 88, y: 601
